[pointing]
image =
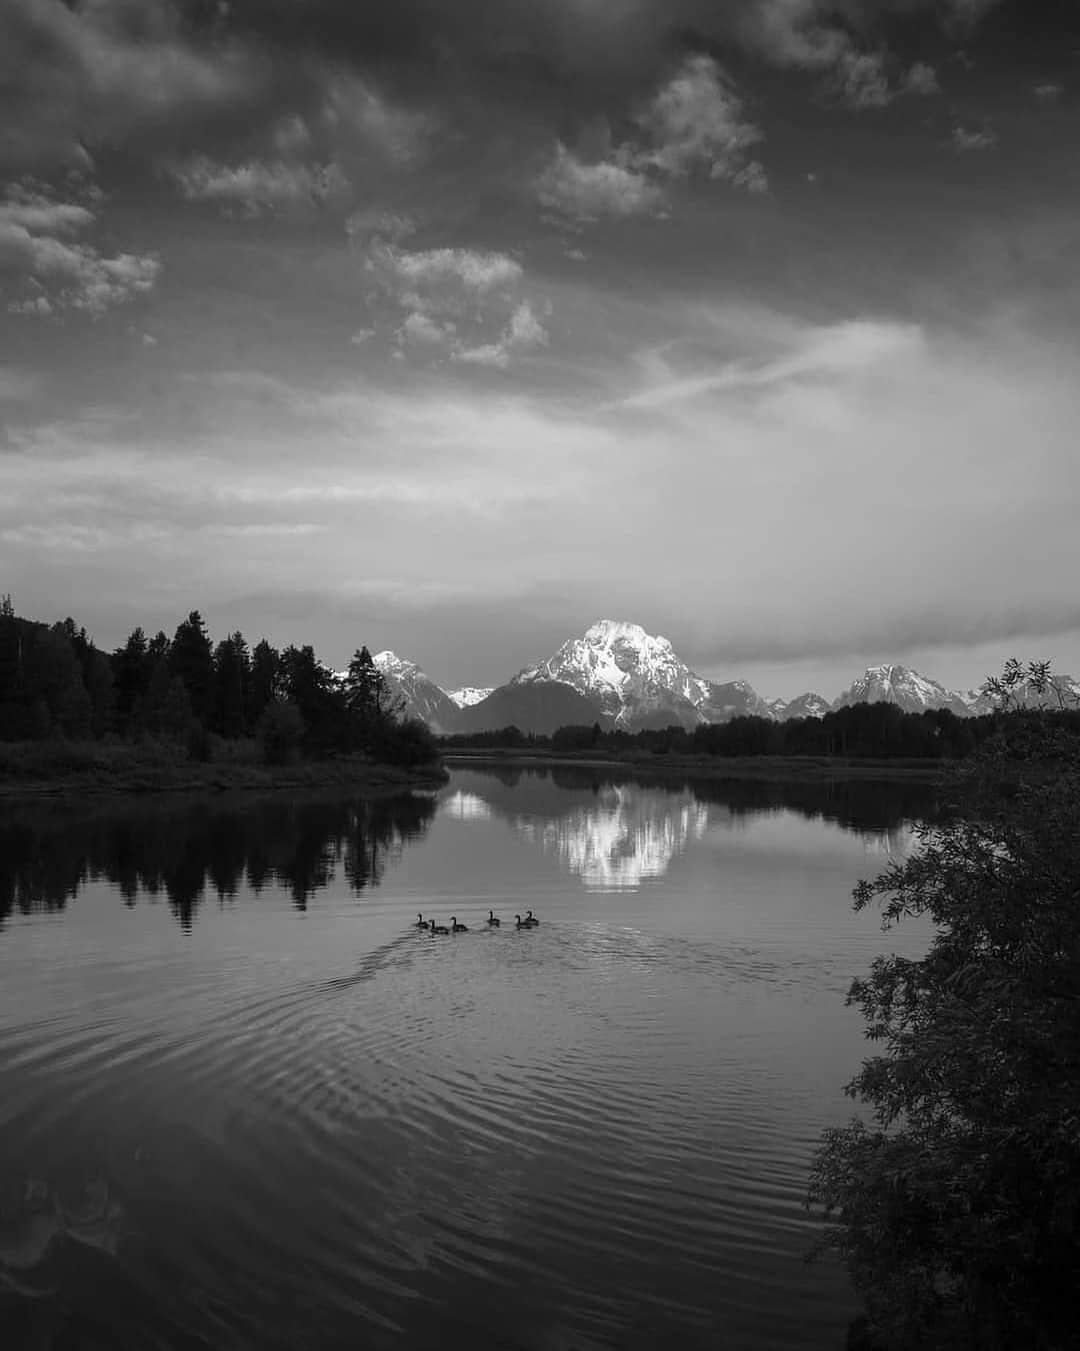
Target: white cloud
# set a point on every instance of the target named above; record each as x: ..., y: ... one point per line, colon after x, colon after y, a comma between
x: 823, y: 354
x: 965, y: 140
x: 585, y: 192
x: 260, y: 185
x: 57, y: 272
x: 423, y: 329
x: 523, y: 332
x: 695, y: 122
x: 473, y: 269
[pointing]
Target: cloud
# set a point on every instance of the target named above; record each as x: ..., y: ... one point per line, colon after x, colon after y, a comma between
x: 823, y: 354
x: 523, y: 332
x: 694, y: 123
x: 921, y: 79
x: 965, y: 140
x: 55, y: 272
x: 585, y: 192
x: 423, y: 329
x: 258, y: 186
x: 80, y: 76
x: 472, y: 269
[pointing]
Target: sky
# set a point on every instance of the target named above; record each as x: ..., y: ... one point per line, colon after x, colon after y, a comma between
x: 452, y: 328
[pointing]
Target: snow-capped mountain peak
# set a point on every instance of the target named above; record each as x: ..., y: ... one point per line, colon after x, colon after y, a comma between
x: 895, y: 684
x: 422, y: 697
x: 469, y: 695
x: 628, y: 672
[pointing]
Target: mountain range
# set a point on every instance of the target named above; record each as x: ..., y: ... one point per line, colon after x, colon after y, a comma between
x: 618, y: 675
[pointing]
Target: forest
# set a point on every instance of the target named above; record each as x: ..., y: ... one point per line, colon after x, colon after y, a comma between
x: 195, y: 696
x: 878, y: 731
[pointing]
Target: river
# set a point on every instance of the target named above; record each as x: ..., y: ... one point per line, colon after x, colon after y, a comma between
x: 246, y: 1103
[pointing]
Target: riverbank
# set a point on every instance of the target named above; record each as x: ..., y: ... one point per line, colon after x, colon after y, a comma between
x: 811, y: 768
x: 65, y: 769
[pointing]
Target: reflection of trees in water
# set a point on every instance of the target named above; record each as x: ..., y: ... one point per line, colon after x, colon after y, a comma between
x: 181, y: 851
x: 866, y: 806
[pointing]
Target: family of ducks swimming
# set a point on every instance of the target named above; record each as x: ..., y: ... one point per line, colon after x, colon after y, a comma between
x: 529, y: 922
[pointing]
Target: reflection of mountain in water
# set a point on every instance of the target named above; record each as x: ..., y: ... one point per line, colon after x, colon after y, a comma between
x: 615, y: 828
x: 626, y: 835
x: 181, y: 849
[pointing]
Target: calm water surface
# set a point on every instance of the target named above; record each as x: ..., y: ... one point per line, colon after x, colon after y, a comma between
x: 244, y: 1103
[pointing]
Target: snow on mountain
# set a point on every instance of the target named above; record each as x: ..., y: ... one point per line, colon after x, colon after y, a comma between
x: 633, y: 675
x: 469, y: 695
x: 910, y: 691
x: 808, y: 705
x: 423, y: 698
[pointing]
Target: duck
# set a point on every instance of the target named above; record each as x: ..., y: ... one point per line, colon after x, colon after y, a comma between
x: 493, y: 920
x: 438, y: 928
x: 421, y: 922
x: 531, y: 920
x: 457, y: 928
x: 522, y: 923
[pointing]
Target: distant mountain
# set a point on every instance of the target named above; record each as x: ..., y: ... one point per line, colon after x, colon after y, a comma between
x: 734, y: 699
x: 910, y: 691
x: 469, y: 695
x: 423, y: 698
x: 807, y: 705
x: 619, y: 675
x: 540, y: 707
x: 638, y: 680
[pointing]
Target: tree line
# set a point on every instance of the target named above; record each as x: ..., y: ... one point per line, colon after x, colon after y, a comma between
x: 187, y: 690
x: 878, y: 731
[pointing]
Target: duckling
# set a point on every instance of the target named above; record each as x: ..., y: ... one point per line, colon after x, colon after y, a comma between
x: 457, y: 928
x: 493, y: 919
x: 439, y: 928
x: 421, y: 922
x: 531, y: 920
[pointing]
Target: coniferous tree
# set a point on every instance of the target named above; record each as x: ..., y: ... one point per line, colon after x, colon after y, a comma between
x: 263, y: 682
x: 132, y: 668
x: 232, y: 674
x: 191, y: 658
x: 13, y: 710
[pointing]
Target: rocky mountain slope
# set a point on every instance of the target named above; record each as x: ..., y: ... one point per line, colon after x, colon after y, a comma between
x: 423, y: 698
x: 619, y: 675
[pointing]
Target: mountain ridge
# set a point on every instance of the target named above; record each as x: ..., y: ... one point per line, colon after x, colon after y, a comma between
x: 628, y: 678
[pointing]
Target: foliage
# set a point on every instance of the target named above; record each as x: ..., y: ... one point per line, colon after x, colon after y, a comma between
x: 408, y: 743
x: 957, y: 1208
x: 281, y: 732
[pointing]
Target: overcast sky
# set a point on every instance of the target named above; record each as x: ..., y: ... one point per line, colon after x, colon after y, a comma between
x: 452, y: 327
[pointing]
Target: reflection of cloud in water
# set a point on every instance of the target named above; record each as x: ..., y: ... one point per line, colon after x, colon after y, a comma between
x: 464, y: 806
x: 629, y: 834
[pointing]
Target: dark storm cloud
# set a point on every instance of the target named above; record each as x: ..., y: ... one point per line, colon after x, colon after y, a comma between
x: 82, y: 78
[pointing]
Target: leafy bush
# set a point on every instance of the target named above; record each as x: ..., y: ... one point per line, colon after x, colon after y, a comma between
x: 957, y: 1210
x: 406, y: 743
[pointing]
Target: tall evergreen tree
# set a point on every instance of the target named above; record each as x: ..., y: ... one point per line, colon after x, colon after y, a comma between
x: 132, y: 667
x: 191, y: 658
x: 232, y: 674
x: 263, y: 683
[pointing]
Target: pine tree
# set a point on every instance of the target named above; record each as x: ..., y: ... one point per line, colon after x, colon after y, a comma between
x: 191, y: 659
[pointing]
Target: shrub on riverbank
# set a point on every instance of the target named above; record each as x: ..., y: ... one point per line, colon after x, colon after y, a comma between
x: 957, y: 1208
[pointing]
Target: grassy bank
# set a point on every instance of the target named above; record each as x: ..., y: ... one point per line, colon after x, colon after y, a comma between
x: 779, y: 767
x: 60, y: 768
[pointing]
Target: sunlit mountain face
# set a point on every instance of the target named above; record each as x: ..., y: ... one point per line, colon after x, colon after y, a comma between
x: 629, y: 836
